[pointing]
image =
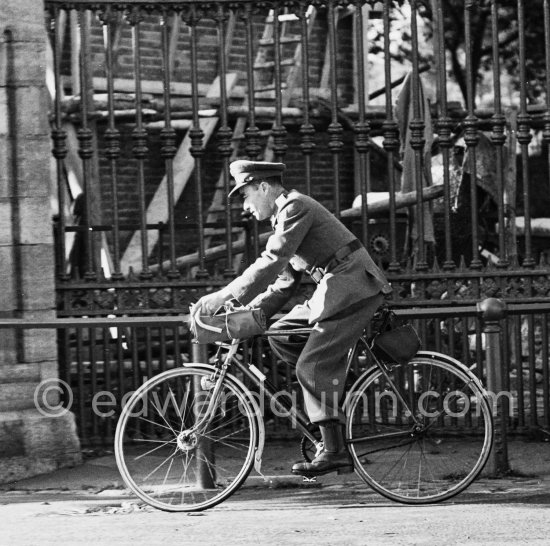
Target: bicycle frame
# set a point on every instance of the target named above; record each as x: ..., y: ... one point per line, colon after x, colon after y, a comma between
x: 297, y: 416
x: 377, y: 364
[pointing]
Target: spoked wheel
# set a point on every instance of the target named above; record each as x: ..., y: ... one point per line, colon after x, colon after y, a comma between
x: 169, y: 464
x: 431, y: 444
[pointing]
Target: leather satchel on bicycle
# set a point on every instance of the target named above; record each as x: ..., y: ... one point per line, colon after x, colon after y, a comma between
x: 397, y: 340
x: 228, y: 323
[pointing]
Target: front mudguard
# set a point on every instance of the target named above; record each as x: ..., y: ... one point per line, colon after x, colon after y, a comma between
x: 260, y: 440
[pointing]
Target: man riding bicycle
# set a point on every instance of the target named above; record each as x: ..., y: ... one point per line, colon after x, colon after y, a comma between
x: 306, y: 238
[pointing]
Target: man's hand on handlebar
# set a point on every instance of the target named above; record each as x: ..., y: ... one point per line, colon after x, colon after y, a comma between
x: 209, y: 304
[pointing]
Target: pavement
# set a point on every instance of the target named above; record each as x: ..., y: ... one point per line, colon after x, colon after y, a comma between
x: 97, y: 478
x: 89, y: 505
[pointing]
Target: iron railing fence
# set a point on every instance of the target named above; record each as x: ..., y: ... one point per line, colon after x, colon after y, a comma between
x: 140, y: 87
x: 405, y: 118
x: 106, y: 359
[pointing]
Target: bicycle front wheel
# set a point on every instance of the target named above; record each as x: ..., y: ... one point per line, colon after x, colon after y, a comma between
x: 422, y: 434
x: 169, y: 464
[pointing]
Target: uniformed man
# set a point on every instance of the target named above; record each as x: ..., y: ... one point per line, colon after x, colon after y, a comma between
x: 307, y: 238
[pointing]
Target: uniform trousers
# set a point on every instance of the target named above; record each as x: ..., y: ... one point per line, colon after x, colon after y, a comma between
x: 320, y: 357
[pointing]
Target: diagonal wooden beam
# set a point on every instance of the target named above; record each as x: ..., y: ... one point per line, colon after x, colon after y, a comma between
x: 401, y: 200
x: 157, y: 210
x: 183, y: 165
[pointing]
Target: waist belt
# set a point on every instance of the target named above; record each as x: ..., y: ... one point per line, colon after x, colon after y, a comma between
x: 318, y: 272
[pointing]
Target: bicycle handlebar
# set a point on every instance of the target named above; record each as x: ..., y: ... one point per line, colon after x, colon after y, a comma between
x: 198, y: 320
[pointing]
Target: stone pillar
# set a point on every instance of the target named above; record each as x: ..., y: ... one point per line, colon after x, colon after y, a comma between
x: 32, y: 441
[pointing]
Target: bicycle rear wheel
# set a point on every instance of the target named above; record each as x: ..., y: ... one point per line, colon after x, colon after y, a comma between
x: 431, y: 444
x: 170, y: 466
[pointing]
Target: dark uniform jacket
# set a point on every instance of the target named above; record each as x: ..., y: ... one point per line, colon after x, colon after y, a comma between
x: 306, y: 235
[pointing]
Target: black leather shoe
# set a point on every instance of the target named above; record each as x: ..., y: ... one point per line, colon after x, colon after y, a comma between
x: 334, y: 457
x: 324, y: 463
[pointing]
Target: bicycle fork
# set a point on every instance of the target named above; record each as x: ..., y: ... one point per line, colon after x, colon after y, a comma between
x: 213, y: 383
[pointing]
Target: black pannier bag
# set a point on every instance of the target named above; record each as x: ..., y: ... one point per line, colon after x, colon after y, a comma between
x: 397, y: 340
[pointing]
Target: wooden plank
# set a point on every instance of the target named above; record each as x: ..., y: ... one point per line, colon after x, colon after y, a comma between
x: 219, y: 197
x: 215, y: 89
x: 229, y: 32
x: 325, y: 74
x: 157, y: 210
x: 365, y: 10
x: 181, y: 124
x: 213, y: 253
x: 125, y: 85
x: 50, y: 72
x: 540, y: 227
x: 510, y: 188
x: 294, y: 74
x: 173, y: 42
x: 401, y: 200
x: 75, y: 53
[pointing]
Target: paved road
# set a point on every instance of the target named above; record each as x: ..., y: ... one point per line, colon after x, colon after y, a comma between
x: 87, y: 505
x: 513, y: 511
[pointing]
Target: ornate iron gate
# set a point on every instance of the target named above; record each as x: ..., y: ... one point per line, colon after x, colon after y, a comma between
x: 375, y: 116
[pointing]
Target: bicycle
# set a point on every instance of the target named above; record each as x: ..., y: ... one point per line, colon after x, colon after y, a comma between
x: 418, y: 432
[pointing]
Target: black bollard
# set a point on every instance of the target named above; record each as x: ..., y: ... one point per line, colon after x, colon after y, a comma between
x: 492, y: 311
x: 204, y: 455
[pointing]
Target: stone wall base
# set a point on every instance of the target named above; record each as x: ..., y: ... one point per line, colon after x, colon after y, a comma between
x: 32, y: 443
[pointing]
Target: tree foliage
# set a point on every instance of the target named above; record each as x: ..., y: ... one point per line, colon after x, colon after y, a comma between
x: 481, y: 43
x: 507, y: 39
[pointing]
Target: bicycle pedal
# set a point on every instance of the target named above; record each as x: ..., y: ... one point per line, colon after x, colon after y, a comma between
x: 312, y: 479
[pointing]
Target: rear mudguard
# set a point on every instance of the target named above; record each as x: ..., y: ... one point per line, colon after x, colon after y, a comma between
x: 426, y: 355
